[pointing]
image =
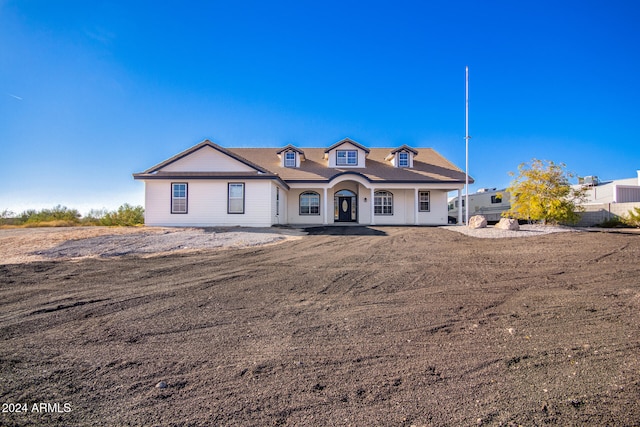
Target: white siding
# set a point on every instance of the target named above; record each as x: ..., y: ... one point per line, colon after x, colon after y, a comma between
x: 207, y: 159
x: 207, y: 204
x: 347, y: 146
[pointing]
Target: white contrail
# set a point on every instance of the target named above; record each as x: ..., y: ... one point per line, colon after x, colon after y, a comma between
x: 15, y: 96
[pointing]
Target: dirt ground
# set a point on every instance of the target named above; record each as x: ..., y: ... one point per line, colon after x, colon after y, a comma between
x: 388, y: 326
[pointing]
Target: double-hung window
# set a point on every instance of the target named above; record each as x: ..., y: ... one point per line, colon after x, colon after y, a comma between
x: 179, y: 198
x: 383, y: 203
x: 423, y: 199
x: 290, y: 159
x: 235, y: 203
x: 309, y: 203
x: 346, y: 157
x: 403, y: 159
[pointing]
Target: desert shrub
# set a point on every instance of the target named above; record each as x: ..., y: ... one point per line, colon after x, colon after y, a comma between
x: 53, y: 223
x: 126, y: 215
x: 7, y: 217
x: 61, y: 216
x: 633, y: 217
x: 59, y: 213
x: 614, y: 223
x: 94, y: 217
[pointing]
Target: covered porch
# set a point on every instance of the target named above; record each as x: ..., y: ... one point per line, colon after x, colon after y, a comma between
x: 351, y: 199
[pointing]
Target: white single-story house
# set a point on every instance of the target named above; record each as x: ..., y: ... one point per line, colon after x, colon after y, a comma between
x: 208, y: 185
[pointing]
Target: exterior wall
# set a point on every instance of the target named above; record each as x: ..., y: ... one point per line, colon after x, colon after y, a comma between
x: 405, y: 205
x: 347, y: 146
x: 597, y: 214
x: 402, y: 212
x: 438, y: 214
x: 293, y: 207
x: 207, y: 159
x: 279, y: 216
x: 207, y: 204
x: 607, y: 192
x: 364, y: 207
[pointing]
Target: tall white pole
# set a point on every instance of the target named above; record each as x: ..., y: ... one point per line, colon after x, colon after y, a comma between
x: 466, y: 139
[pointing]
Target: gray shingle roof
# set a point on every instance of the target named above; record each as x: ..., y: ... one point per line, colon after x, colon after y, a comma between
x: 428, y: 166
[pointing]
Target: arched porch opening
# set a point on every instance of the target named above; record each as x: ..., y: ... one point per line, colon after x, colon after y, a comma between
x: 345, y: 206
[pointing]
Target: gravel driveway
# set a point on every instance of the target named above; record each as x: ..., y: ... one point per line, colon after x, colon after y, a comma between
x: 36, y: 244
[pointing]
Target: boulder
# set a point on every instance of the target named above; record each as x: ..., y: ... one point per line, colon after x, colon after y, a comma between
x: 477, y: 221
x: 508, y: 224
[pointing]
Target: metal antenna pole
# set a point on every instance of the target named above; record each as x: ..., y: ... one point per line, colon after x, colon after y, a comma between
x: 466, y: 139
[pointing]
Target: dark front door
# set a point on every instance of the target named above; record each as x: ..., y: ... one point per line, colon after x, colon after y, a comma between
x: 344, y: 209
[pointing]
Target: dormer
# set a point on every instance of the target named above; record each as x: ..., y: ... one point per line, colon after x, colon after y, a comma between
x: 402, y: 157
x: 346, y: 154
x: 290, y: 156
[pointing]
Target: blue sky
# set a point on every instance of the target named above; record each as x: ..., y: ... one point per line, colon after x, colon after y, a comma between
x: 91, y: 92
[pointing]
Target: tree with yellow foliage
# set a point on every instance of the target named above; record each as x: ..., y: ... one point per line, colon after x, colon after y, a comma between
x: 541, y: 192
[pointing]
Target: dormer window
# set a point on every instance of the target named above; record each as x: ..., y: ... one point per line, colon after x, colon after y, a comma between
x: 346, y: 157
x: 346, y: 154
x: 403, y: 159
x: 290, y: 156
x: 290, y: 159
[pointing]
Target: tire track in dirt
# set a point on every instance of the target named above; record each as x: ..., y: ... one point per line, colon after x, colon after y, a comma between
x: 418, y: 326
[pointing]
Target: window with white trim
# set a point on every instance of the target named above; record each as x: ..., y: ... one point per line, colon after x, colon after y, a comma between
x: 290, y: 159
x: 179, y: 198
x: 382, y: 203
x: 423, y: 201
x: 235, y: 204
x: 346, y: 157
x: 309, y: 203
x: 403, y: 159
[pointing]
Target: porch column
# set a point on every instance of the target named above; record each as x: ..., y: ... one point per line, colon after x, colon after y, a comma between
x: 416, y: 204
x: 325, y: 221
x: 373, y: 221
x: 459, y: 207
